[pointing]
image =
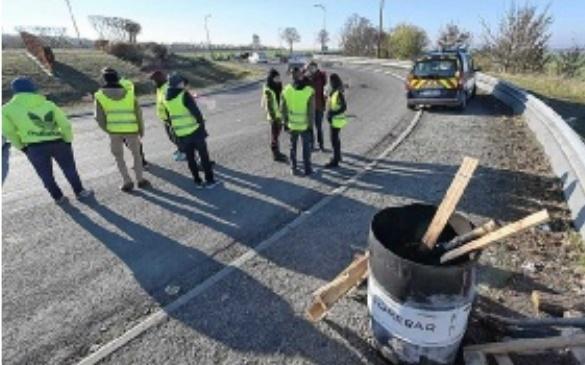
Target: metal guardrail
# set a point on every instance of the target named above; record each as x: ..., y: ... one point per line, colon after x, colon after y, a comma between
x: 563, y: 146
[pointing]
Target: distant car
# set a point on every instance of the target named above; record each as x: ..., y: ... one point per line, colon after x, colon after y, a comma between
x: 444, y: 78
x: 258, y: 57
x: 296, y: 60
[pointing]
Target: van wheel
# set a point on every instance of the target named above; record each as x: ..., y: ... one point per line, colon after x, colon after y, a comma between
x: 474, y: 92
x: 411, y: 106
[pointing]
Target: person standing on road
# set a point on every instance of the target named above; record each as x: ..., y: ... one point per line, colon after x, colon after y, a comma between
x: 118, y: 114
x: 298, y: 112
x: 41, y: 130
x: 188, y: 124
x: 336, y: 107
x: 160, y: 81
x: 271, y: 94
x: 317, y: 80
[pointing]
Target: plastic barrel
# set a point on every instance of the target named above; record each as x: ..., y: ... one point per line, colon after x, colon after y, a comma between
x: 418, y: 312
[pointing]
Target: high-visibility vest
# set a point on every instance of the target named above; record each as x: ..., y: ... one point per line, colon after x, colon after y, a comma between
x: 34, y: 118
x: 297, y: 104
x: 275, y: 107
x: 338, y: 121
x: 120, y: 115
x: 182, y: 121
x: 161, y: 94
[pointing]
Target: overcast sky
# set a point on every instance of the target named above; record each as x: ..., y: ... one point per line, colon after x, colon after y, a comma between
x: 234, y: 21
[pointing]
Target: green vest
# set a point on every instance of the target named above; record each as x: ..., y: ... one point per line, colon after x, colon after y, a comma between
x: 161, y: 94
x: 297, y: 104
x: 34, y: 118
x: 339, y: 121
x: 120, y: 115
x: 275, y: 107
x: 182, y: 120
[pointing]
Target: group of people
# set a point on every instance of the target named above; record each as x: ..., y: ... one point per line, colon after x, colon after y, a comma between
x: 299, y: 108
x: 40, y: 129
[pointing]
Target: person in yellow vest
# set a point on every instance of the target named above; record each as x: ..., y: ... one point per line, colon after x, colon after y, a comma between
x: 188, y: 124
x: 271, y: 94
x: 298, y: 113
x: 41, y: 130
x: 117, y: 112
x: 160, y: 82
x: 336, y: 107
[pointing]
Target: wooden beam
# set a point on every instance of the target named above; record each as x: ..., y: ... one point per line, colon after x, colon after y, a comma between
x: 504, y: 232
x: 529, y: 344
x: 450, y: 200
x: 556, y: 304
x: 326, y: 296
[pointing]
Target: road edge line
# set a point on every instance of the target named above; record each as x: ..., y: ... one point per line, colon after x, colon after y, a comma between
x: 160, y: 315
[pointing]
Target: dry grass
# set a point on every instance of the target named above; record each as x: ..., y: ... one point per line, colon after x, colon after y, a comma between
x: 555, y: 87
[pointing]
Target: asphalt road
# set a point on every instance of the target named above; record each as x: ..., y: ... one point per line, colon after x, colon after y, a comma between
x: 75, y: 278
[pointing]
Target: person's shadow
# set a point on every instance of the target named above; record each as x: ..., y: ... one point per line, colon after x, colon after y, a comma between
x: 156, y: 259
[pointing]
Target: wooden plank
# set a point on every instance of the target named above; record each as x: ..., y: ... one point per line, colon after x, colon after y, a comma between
x: 503, y: 360
x: 326, y: 296
x: 556, y: 304
x: 578, y: 352
x: 529, y: 344
x: 474, y: 234
x: 504, y: 232
x: 450, y: 200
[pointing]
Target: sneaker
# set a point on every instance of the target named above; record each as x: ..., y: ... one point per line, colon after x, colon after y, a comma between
x: 62, y: 200
x: 144, y: 184
x: 198, y: 184
x: 145, y: 165
x: 332, y: 164
x: 179, y: 156
x: 211, y: 184
x: 127, y: 187
x: 280, y: 157
x: 84, y: 194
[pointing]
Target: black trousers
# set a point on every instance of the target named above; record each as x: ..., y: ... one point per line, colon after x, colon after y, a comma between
x: 335, y: 143
x: 318, y: 127
x: 190, y: 145
x: 306, y: 141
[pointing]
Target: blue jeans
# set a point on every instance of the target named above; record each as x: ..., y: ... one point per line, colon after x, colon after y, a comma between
x: 41, y: 156
x: 306, y: 141
x: 319, y: 129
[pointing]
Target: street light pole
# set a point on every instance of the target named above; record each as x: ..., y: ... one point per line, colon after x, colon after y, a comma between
x: 380, y: 29
x: 322, y: 7
x: 207, y: 34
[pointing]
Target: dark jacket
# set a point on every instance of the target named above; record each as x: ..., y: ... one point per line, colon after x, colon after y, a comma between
x: 342, y: 109
x: 191, y: 105
x: 318, y: 81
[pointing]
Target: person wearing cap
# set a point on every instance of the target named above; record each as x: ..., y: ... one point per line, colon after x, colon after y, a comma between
x: 271, y: 94
x: 117, y: 112
x: 317, y: 79
x: 298, y: 113
x: 41, y: 130
x: 160, y: 81
x: 189, y: 127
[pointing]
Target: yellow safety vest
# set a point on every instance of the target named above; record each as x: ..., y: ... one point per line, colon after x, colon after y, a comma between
x: 297, y: 104
x: 274, y: 105
x: 338, y: 121
x: 161, y: 94
x: 120, y: 115
x: 182, y: 120
x: 34, y: 118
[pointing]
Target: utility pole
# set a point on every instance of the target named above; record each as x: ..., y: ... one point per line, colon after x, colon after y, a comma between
x: 381, y: 28
x: 73, y: 20
x: 207, y: 34
x: 322, y: 7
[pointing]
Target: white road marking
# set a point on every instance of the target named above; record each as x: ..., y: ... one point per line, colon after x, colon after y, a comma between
x: 162, y: 314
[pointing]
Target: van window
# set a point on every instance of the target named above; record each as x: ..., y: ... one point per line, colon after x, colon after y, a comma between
x: 435, y: 67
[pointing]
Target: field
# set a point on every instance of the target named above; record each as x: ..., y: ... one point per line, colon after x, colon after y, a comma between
x: 78, y: 73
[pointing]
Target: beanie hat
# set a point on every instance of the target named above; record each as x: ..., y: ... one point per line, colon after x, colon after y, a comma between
x: 23, y: 84
x: 110, y: 75
x: 175, y: 79
x: 159, y: 77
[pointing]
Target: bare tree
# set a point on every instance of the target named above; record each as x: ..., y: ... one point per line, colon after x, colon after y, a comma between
x: 114, y: 28
x: 521, y: 41
x: 323, y: 39
x: 256, y: 41
x: 290, y: 35
x: 452, y: 37
x: 359, y: 37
